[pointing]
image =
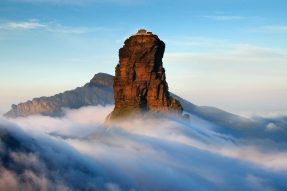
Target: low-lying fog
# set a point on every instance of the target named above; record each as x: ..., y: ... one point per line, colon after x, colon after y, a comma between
x: 78, y: 152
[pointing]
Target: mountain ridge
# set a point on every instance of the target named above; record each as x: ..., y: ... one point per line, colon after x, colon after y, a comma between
x: 96, y: 92
x: 99, y: 91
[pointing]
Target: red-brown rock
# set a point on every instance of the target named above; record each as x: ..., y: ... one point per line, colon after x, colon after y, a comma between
x: 140, y: 83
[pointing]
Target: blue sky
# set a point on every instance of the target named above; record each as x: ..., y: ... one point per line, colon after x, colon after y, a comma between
x: 226, y: 53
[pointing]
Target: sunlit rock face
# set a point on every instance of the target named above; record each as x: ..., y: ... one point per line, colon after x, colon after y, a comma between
x: 140, y: 82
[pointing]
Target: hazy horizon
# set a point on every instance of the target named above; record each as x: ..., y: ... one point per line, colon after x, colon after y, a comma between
x: 231, y: 55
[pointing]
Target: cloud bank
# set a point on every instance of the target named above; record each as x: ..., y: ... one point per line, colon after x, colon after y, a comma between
x: 78, y: 152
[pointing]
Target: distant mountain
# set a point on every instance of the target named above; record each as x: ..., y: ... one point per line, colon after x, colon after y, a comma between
x: 99, y: 91
x: 215, y: 115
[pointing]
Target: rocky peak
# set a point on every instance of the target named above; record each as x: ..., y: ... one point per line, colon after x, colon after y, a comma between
x: 140, y: 82
x: 101, y: 79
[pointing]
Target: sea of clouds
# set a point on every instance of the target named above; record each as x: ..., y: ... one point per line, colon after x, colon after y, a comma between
x: 80, y: 152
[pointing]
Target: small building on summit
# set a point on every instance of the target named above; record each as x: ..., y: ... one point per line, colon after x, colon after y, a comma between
x: 143, y: 32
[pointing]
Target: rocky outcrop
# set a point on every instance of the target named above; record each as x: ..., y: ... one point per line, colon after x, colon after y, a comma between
x: 97, y: 92
x: 140, y: 82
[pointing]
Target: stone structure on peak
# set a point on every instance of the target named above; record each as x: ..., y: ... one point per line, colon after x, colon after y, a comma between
x: 140, y: 82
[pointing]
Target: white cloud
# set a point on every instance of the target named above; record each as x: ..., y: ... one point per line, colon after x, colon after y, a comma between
x: 221, y: 45
x: 271, y: 126
x: 231, y: 54
x: 54, y: 27
x: 223, y: 17
x: 26, y: 25
x: 271, y: 29
x: 199, y: 42
x: 73, y: 30
x: 265, y: 114
x: 85, y: 117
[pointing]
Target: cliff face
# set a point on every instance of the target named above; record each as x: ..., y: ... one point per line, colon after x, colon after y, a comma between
x: 97, y: 92
x: 140, y: 82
